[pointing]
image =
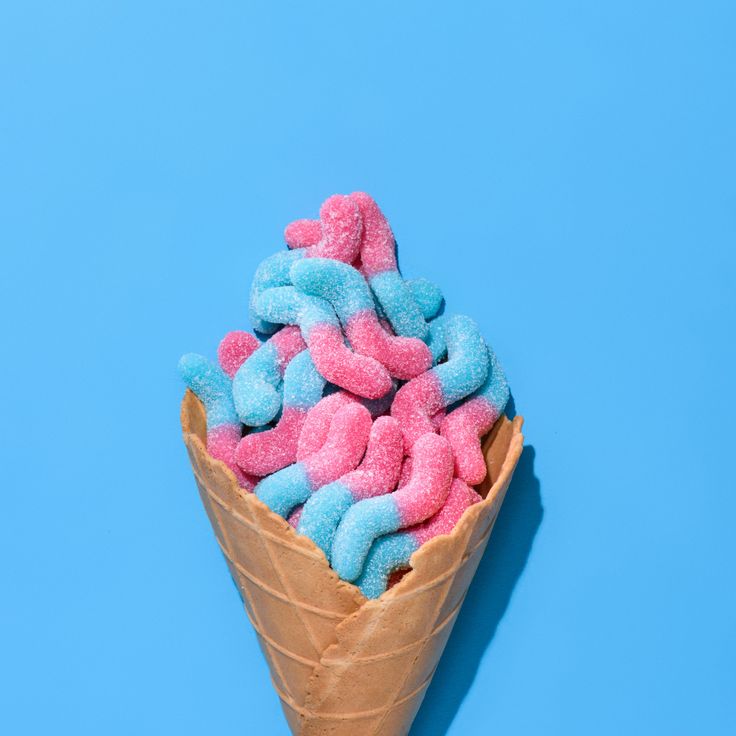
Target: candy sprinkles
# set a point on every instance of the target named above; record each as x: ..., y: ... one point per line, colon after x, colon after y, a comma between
x: 356, y: 408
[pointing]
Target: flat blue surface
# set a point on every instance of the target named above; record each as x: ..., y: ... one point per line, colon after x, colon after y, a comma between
x: 564, y: 170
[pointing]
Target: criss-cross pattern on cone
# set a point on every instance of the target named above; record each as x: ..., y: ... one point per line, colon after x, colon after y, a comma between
x: 341, y: 664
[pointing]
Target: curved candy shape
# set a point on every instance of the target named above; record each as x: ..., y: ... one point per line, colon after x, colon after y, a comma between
x: 271, y: 272
x: 319, y: 417
x: 263, y: 453
x: 348, y: 293
x: 340, y: 229
x: 375, y: 476
x: 465, y: 371
x: 257, y: 382
x: 393, y: 551
x: 427, y: 295
x: 234, y: 349
x: 379, y: 266
x: 335, y: 235
x: 341, y: 453
x: 421, y: 497
x: 464, y: 426
x: 212, y: 387
x: 303, y: 233
x: 321, y: 329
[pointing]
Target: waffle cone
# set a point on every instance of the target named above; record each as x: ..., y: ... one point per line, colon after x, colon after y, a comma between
x: 341, y: 664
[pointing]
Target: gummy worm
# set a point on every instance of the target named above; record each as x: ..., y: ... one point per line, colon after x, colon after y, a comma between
x: 234, y: 349
x: 321, y: 329
x: 212, y: 387
x: 419, y: 499
x: 341, y: 453
x: 263, y: 453
x: 257, y: 382
x: 464, y: 426
x: 348, y: 293
x: 465, y: 371
x: 375, y: 476
x: 393, y: 551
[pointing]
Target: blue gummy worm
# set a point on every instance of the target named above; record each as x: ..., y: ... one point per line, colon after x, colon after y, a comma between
x: 285, y: 489
x: 362, y: 523
x: 322, y: 513
x: 272, y: 271
x: 337, y: 282
x: 398, y: 304
x: 212, y: 386
x: 467, y: 367
x: 387, y: 554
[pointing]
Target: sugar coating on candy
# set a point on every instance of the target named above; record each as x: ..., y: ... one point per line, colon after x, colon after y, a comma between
x: 376, y: 475
x: 378, y: 264
x: 348, y: 293
x: 342, y: 227
x: 464, y: 426
x: 317, y: 424
x: 257, y: 383
x: 212, y: 387
x: 430, y: 480
x: 427, y: 295
x: 421, y: 497
x: 337, y: 234
x: 234, y: 349
x: 465, y: 371
x: 341, y: 453
x: 303, y: 233
x: 271, y: 272
x: 321, y: 329
x: 394, y: 551
x: 343, y: 448
x: 266, y: 452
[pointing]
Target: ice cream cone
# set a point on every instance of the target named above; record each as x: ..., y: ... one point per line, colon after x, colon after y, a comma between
x: 341, y: 664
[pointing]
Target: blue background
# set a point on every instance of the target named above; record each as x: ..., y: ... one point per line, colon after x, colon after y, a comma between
x: 565, y: 170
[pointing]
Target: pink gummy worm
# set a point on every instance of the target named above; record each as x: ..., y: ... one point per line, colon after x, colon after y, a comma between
x: 414, y: 406
x: 288, y: 342
x: 263, y: 453
x: 377, y: 248
x: 234, y: 349
x: 463, y: 428
x: 403, y: 357
x: 317, y: 424
x: 356, y: 373
x: 379, y: 471
x: 430, y: 481
x: 344, y: 447
x: 460, y: 498
x: 222, y: 442
x: 303, y: 233
x: 337, y: 233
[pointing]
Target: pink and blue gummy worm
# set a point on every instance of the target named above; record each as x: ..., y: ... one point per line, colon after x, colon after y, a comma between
x: 321, y: 329
x: 213, y: 388
x: 420, y: 498
x: 341, y: 453
x: 257, y: 383
x: 379, y: 266
x: 350, y: 296
x: 466, y: 369
x: 467, y: 424
x: 340, y: 228
x: 375, y: 476
x: 263, y: 453
x: 393, y: 551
